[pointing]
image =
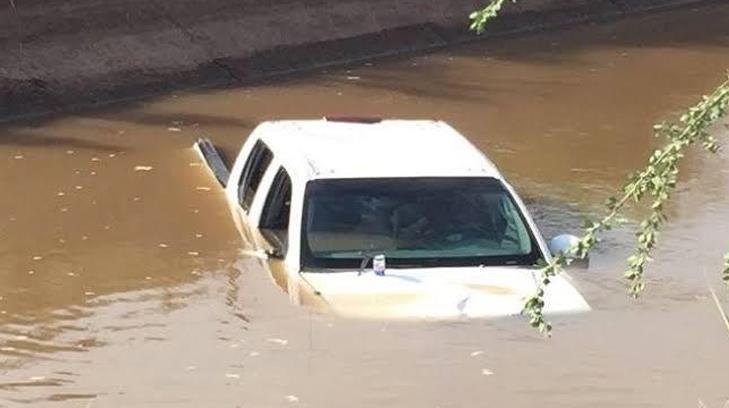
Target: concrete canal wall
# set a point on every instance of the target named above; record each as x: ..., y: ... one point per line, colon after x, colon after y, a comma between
x: 60, y: 53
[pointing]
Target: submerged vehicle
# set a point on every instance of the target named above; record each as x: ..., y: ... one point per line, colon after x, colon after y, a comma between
x: 330, y: 200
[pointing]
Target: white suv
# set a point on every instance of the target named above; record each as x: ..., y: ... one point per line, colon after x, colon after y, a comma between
x: 323, y: 198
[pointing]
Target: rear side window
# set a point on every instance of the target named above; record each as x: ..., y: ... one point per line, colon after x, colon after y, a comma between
x: 274, y: 222
x: 258, y: 161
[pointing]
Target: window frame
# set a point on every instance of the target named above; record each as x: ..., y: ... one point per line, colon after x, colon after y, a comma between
x: 278, y: 184
x: 260, y: 153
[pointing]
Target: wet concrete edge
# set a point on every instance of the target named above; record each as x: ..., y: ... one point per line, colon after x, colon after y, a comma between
x: 30, y: 98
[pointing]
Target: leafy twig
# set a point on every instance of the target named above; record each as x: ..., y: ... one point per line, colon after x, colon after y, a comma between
x: 657, y: 180
x: 479, y: 18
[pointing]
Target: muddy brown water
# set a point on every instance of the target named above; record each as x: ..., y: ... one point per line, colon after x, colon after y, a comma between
x: 124, y: 286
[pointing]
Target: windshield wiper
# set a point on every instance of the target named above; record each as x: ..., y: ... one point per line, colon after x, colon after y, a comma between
x: 366, y: 258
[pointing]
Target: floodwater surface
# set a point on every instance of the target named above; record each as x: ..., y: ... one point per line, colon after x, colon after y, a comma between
x: 123, y: 282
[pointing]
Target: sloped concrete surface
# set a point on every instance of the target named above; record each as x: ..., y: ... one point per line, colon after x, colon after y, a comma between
x: 60, y: 53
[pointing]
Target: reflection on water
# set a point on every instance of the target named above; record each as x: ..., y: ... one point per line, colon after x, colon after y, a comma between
x: 122, y: 281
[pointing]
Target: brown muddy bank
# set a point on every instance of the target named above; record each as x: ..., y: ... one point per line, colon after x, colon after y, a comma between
x: 58, y: 54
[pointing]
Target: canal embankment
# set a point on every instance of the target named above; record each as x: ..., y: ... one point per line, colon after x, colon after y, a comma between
x: 58, y: 54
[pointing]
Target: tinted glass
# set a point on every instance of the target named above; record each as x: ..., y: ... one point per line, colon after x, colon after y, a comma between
x: 414, y: 222
x: 278, y: 203
x: 253, y: 171
x: 275, y: 218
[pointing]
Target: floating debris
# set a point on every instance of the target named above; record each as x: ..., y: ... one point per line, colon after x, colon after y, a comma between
x: 147, y: 278
x: 143, y: 168
x: 231, y: 375
x: 254, y: 354
x: 84, y: 237
x: 31, y: 272
x: 112, y: 155
x: 79, y: 187
x: 89, y: 293
x: 195, y: 164
x: 64, y: 209
x: 292, y: 398
x: 193, y: 253
x: 71, y: 274
x: 18, y: 157
x: 202, y: 188
x: 486, y: 371
x: 37, y: 258
x: 476, y: 353
x: 37, y: 378
x: 70, y: 152
x: 60, y: 194
x: 95, y: 159
x: 353, y: 78
x: 278, y: 341
x: 174, y: 129
x: 198, y: 235
x: 163, y: 245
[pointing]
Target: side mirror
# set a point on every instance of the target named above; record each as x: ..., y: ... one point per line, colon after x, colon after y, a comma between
x: 564, y: 244
x: 274, y: 252
x: 272, y: 244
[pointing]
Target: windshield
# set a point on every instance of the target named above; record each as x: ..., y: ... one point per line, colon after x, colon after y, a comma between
x: 415, y: 222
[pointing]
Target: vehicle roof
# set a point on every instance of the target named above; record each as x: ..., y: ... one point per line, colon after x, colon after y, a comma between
x: 389, y: 148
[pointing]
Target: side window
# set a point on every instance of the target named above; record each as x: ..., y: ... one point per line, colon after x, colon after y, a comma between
x: 253, y: 170
x: 274, y: 222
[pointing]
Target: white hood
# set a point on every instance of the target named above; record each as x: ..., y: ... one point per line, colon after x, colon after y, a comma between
x: 440, y: 292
